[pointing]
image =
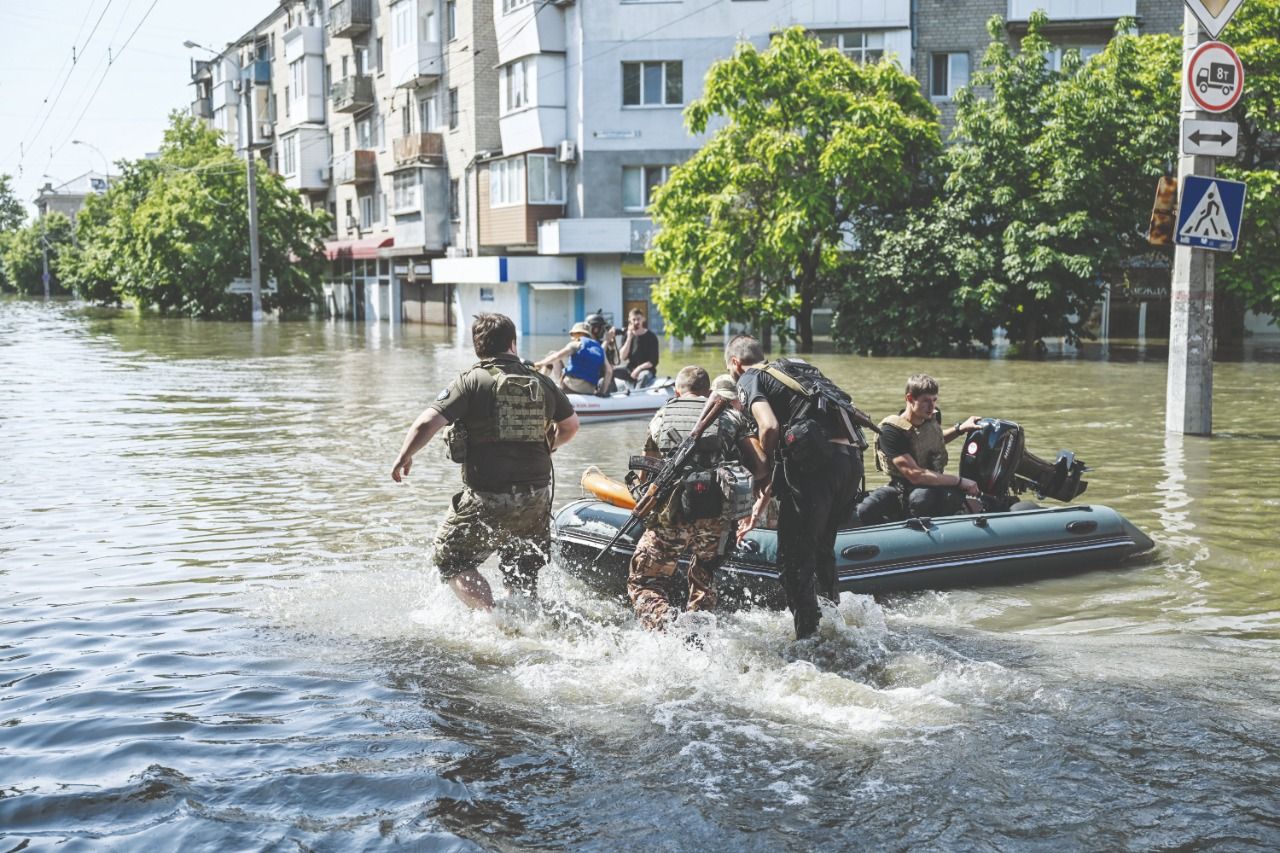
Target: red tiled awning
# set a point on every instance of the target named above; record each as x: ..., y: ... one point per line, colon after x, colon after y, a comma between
x: 358, y: 250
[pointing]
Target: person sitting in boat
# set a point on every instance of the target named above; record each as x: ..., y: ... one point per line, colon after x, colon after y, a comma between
x: 607, y: 335
x: 588, y: 369
x: 696, y: 520
x: 640, y: 349
x: 912, y: 450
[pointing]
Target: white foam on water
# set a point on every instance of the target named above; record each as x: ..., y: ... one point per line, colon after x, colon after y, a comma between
x: 727, y: 678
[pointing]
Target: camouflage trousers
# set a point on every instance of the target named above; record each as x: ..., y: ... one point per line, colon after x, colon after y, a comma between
x: 516, y: 524
x: 654, y: 562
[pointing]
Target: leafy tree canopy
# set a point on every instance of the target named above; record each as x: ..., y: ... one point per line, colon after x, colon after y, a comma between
x: 756, y: 225
x: 12, y: 212
x: 172, y: 232
x: 23, y: 254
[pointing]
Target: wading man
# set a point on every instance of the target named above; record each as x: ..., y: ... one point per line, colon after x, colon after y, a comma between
x: 699, y: 516
x: 814, y: 451
x: 912, y: 450
x: 506, y: 419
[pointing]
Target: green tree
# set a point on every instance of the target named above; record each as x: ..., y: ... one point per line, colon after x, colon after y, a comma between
x: 1253, y: 271
x: 12, y: 212
x: 23, y: 254
x: 756, y: 225
x: 173, y: 233
x: 1048, y: 185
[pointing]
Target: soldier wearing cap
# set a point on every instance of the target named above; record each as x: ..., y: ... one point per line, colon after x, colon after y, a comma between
x: 506, y: 420
x: 694, y: 521
x: 587, y: 370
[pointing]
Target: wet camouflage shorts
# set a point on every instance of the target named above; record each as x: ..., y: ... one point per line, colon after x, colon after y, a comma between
x: 516, y: 525
x: 657, y: 554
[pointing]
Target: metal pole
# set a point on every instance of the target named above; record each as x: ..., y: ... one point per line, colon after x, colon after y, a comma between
x: 255, y: 269
x: 1189, y: 394
x: 44, y: 251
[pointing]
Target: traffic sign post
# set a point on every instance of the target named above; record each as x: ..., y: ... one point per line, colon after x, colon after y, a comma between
x: 1210, y: 138
x: 1213, y: 14
x: 1215, y: 77
x: 1210, y: 213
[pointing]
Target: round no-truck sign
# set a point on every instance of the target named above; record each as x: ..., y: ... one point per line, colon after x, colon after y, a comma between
x: 1215, y: 77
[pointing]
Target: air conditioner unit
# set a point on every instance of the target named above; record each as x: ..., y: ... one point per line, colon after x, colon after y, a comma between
x: 456, y: 252
x: 566, y: 152
x: 265, y: 130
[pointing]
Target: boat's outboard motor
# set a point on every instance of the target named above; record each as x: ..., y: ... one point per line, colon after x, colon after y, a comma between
x: 995, y: 457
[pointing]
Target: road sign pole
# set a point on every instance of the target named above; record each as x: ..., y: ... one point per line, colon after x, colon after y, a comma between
x: 1189, y: 394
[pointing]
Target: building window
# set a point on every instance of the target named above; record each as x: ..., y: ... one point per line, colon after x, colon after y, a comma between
x: 367, y: 132
x: 366, y: 211
x: 506, y: 182
x: 451, y: 18
x: 861, y: 47
x: 429, y: 32
x: 402, y: 25
x: 377, y: 55
x: 406, y: 190
x: 428, y: 115
x: 406, y: 122
x: 511, y: 5
x: 455, y: 207
x: 515, y: 86
x: 948, y: 73
x: 1087, y: 52
x: 346, y: 138
x: 546, y: 180
x: 297, y: 78
x: 652, y: 84
x: 638, y: 184
x: 362, y: 60
x: 453, y: 109
x: 289, y: 155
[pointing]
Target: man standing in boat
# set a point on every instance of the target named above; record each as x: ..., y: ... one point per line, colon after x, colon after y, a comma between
x: 912, y: 449
x: 506, y: 420
x: 640, y: 349
x: 696, y: 520
x: 814, y: 451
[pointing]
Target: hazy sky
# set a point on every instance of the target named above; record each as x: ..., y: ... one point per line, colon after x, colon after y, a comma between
x: 128, y: 114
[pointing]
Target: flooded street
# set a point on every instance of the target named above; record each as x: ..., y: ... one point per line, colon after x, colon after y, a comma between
x: 221, y: 627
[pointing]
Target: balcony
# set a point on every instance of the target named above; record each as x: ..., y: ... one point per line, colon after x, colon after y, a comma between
x: 355, y: 167
x: 419, y: 148
x: 1073, y: 10
x: 350, y: 18
x: 201, y: 108
x: 351, y: 94
x: 257, y: 72
x: 594, y: 236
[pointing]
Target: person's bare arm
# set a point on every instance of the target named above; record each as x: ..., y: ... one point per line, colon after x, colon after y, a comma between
x: 752, y: 455
x: 917, y: 476
x: 767, y: 425
x: 430, y: 422
x: 565, y: 430
x: 951, y: 433
x: 552, y: 358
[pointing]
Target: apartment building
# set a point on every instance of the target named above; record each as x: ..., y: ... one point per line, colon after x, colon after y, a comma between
x: 951, y: 35
x: 501, y: 154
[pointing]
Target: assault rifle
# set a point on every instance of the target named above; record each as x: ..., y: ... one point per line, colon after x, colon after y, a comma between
x: 669, y: 473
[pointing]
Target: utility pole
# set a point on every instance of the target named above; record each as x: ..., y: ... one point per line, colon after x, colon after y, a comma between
x: 1189, y: 394
x: 255, y: 267
x: 44, y: 251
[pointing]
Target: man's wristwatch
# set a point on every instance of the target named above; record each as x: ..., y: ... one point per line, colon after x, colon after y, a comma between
x: 958, y: 426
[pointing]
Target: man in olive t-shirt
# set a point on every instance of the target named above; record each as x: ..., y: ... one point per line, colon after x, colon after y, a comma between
x: 506, y: 503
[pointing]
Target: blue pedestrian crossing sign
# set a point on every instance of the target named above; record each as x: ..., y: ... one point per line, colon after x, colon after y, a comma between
x: 1209, y: 213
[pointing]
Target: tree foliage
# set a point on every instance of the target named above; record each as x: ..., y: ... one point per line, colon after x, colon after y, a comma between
x: 1047, y: 186
x: 754, y: 227
x: 12, y: 213
x: 172, y: 233
x: 1253, y: 271
x: 22, y: 255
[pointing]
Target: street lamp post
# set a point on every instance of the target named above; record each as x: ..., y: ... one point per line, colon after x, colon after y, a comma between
x: 106, y: 165
x: 255, y: 265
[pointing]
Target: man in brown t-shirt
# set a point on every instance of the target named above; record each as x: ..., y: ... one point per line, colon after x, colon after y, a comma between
x: 513, y: 418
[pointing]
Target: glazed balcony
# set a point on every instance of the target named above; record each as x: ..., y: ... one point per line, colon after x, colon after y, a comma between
x: 350, y: 18
x: 355, y: 167
x: 425, y: 148
x: 351, y: 94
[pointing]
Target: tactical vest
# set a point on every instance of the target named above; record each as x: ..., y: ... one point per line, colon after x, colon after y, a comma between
x: 928, y: 447
x: 519, y: 412
x: 677, y: 418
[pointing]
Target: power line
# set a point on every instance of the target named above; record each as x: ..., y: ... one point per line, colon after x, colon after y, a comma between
x: 110, y: 62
